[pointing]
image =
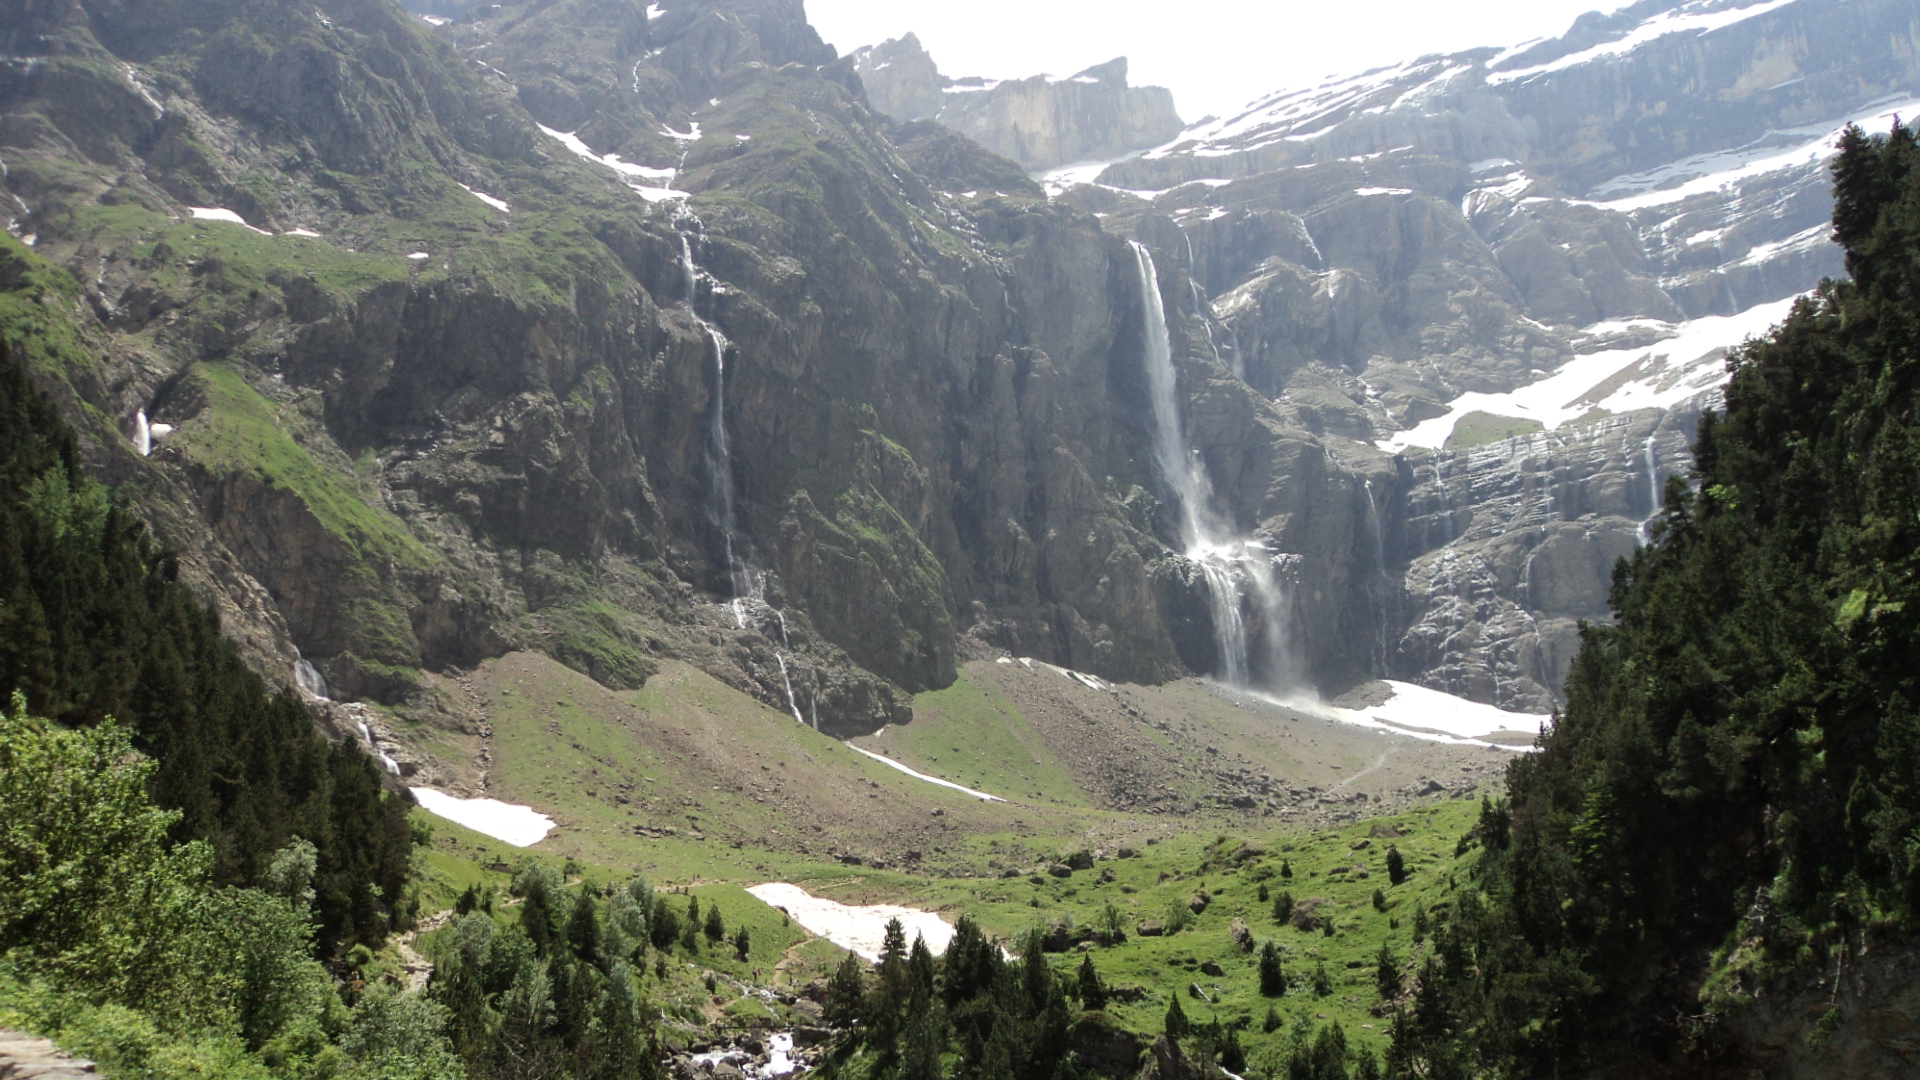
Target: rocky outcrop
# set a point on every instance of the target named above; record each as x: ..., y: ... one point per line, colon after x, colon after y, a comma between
x: 1041, y: 122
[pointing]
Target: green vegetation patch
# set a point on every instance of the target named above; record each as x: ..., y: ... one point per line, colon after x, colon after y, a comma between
x: 1480, y: 428
x: 239, y: 432
x: 974, y: 735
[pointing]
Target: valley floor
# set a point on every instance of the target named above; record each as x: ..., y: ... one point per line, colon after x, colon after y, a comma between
x: 1155, y: 829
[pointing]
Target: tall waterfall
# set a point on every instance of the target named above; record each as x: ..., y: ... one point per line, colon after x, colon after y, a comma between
x: 1653, y: 486
x: 1242, y: 574
x: 142, y: 434
x: 719, y: 453
x: 747, y: 587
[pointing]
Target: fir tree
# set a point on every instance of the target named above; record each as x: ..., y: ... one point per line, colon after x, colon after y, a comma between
x: 1092, y: 992
x: 1273, y: 978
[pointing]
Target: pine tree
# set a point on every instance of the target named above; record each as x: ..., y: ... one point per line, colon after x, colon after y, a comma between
x: 1176, y: 1025
x: 1092, y: 992
x: 716, y: 930
x: 1386, y: 973
x: 846, y: 994
x: 1273, y: 978
x: 1283, y: 908
x: 1396, y: 865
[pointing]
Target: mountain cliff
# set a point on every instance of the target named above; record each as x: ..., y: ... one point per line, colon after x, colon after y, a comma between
x: 1517, y: 272
x: 620, y: 334
x: 633, y: 334
x: 1040, y: 122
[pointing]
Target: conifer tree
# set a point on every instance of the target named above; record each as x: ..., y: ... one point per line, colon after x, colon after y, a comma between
x: 1273, y: 978
x: 1176, y: 1025
x: 1092, y: 992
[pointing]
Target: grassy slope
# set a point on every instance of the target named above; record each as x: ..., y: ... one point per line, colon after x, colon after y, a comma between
x: 707, y: 773
x: 742, y: 786
x: 972, y: 734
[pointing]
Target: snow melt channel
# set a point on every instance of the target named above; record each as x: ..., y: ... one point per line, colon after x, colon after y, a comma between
x: 858, y: 929
x: 519, y: 826
x: 892, y: 764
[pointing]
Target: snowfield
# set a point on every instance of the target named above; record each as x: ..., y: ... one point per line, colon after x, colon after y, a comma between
x: 1441, y: 717
x: 859, y: 929
x: 519, y: 826
x: 1659, y: 376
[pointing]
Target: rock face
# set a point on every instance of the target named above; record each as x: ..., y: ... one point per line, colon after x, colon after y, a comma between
x: 1416, y: 245
x: 630, y: 333
x: 616, y: 333
x: 1041, y: 122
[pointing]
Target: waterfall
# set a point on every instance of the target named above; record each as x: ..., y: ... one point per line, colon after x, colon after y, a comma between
x: 142, y: 434
x: 719, y: 453
x: 1653, y: 487
x: 1385, y: 583
x: 747, y: 587
x: 1242, y: 574
x: 308, y: 679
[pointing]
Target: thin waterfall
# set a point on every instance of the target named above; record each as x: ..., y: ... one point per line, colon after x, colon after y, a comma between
x: 1385, y: 583
x: 1241, y: 573
x: 142, y: 434
x: 1653, y: 487
x: 719, y: 453
x: 747, y: 587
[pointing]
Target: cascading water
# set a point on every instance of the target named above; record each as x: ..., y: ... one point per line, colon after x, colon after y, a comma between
x: 142, y: 434
x: 1385, y: 582
x: 308, y: 679
x: 1653, y: 487
x: 746, y: 587
x: 719, y: 453
x: 1241, y: 573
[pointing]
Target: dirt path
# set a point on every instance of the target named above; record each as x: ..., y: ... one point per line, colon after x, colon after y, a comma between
x: 28, y: 1057
x: 418, y: 968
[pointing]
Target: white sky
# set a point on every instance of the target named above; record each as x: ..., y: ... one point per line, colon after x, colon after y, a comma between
x: 1214, y: 54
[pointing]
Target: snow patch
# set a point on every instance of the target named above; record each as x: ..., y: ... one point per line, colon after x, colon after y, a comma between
x: 497, y: 204
x: 435, y: 20
x: 1429, y: 715
x: 1419, y: 710
x: 1805, y: 147
x: 519, y: 826
x: 1658, y: 376
x: 628, y: 171
x: 1366, y: 191
x: 654, y: 11
x: 419, y: 256
x: 215, y: 213
x: 860, y: 930
x: 892, y: 764
x: 1687, y: 18
x: 301, y: 232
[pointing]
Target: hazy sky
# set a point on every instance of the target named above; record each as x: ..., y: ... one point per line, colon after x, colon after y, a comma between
x: 1215, y: 54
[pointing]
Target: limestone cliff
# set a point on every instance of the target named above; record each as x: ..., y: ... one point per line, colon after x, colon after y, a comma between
x: 1417, y: 260
x: 618, y: 333
x: 1040, y: 122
